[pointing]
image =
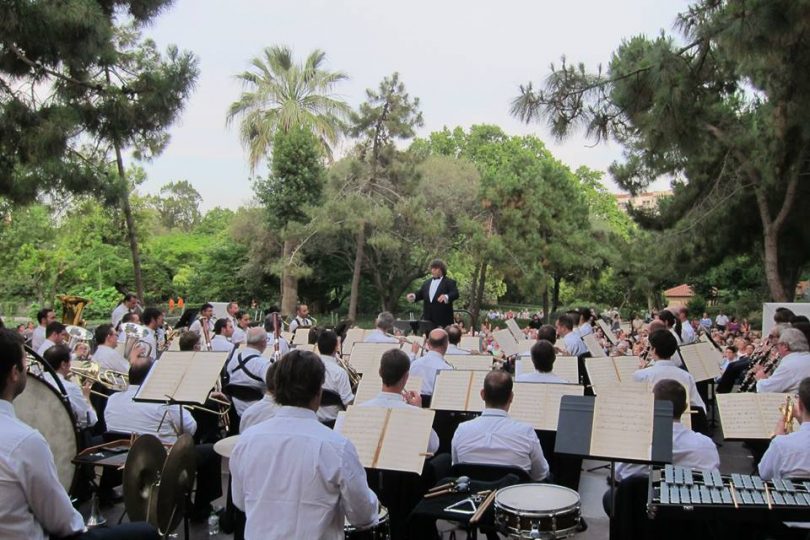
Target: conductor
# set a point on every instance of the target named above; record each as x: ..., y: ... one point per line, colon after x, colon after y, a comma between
x: 437, y: 294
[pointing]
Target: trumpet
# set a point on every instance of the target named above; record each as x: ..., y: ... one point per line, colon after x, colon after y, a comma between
x: 787, y: 411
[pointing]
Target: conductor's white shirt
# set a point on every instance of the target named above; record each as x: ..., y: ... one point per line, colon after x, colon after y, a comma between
x: 336, y: 380
x: 256, y: 364
x: 163, y: 421
x: 539, y: 377
x: 109, y: 358
x: 37, y: 337
x: 390, y: 400
x: 33, y: 504
x: 666, y: 369
x: 787, y: 456
x: 296, y: 478
x: 84, y: 412
x: 788, y: 374
x: 258, y: 412
x: 689, y: 449
x: 378, y: 336
x: 495, y: 438
x: 220, y: 343
x: 428, y: 367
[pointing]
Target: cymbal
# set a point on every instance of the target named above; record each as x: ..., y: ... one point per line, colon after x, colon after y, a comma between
x: 141, y: 472
x: 176, y: 481
x: 225, y: 446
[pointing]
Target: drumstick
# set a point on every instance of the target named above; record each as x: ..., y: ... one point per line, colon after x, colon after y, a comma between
x: 733, y: 495
x: 768, y: 497
x: 438, y: 493
x: 483, y: 507
x: 441, y: 487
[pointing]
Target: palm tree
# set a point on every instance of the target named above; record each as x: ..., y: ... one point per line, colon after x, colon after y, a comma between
x: 280, y: 94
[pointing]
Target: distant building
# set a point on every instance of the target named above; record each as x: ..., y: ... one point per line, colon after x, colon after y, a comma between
x: 679, y: 296
x: 647, y: 200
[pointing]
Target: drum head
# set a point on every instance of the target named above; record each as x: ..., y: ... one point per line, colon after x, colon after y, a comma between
x: 541, y: 498
x: 41, y: 407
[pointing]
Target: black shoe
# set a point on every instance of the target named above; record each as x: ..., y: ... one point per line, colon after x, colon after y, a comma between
x: 583, y: 525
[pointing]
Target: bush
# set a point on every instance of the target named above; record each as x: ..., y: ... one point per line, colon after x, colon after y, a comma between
x: 103, y: 301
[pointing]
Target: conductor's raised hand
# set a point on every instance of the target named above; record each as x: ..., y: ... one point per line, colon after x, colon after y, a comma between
x: 444, y: 299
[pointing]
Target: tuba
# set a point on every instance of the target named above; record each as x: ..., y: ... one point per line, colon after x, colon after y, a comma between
x: 135, y: 334
x: 76, y: 335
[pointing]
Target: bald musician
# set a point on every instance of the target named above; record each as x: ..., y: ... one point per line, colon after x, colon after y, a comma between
x: 495, y: 438
x: 301, y: 319
x: 291, y: 475
x: 429, y: 365
x: 248, y: 367
x: 33, y: 504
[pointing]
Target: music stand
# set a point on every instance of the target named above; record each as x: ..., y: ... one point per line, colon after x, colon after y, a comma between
x: 424, y: 327
x: 405, y: 326
x: 575, y: 425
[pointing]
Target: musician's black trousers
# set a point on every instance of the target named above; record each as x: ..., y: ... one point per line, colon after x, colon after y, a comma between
x: 209, y: 479
x: 126, y: 531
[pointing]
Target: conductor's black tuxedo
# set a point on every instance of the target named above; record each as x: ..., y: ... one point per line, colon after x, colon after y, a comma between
x: 436, y: 312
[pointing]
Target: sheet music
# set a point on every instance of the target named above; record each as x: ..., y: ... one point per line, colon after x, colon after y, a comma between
x: 301, y: 336
x: 526, y: 345
x: 470, y: 362
x: 288, y: 336
x: 622, y: 426
x: 470, y: 343
x: 201, y: 377
x: 538, y: 404
x: 593, y: 346
x: 702, y: 360
x: 747, y: 415
x: 353, y: 335
x: 366, y: 357
x: 458, y: 391
x: 165, y: 376
x: 607, y: 331
x: 602, y: 372
x: 363, y: 426
x: 371, y: 385
x: 625, y: 366
x: 405, y: 440
x: 506, y: 341
x: 515, y: 330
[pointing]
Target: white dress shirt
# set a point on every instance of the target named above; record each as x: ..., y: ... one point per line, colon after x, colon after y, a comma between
x: 84, y: 412
x: 495, y: 438
x: 689, y: 449
x: 298, y: 322
x: 453, y: 349
x: 118, y: 314
x: 584, y: 329
x: 337, y: 380
x: 666, y: 369
x: 574, y: 344
x: 788, y: 374
x: 378, y: 336
x: 721, y: 320
x: 540, y: 377
x: 788, y: 456
x: 257, y: 412
x: 151, y: 339
x: 390, y: 400
x: 196, y: 327
x: 37, y: 337
x: 109, y: 358
x: 220, y: 343
x: 163, y: 421
x: 47, y: 344
x: 434, y: 286
x: 428, y: 367
x: 296, y: 478
x: 688, y: 333
x: 256, y: 364
x: 33, y: 504
x: 238, y: 336
x: 283, y: 344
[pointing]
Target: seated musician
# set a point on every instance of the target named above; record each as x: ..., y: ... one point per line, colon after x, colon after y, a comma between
x: 58, y: 357
x: 54, y: 335
x: 261, y: 410
x: 383, y: 327
x: 454, y: 334
x: 133, y: 318
x: 223, y: 330
x: 106, y: 356
x: 583, y: 318
x: 662, y: 346
x: 152, y: 319
x: 793, y: 367
x: 573, y: 344
x: 167, y: 422
x: 301, y: 319
x: 495, y: 438
x: 336, y: 378
x: 33, y: 504
x: 189, y: 341
x: 248, y: 367
x: 283, y: 344
x: 429, y: 365
x: 293, y: 476
x: 543, y: 357
x: 240, y: 330
x: 788, y: 455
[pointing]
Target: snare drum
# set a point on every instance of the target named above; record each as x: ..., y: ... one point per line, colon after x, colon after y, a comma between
x: 43, y: 408
x: 379, y: 531
x: 537, y: 511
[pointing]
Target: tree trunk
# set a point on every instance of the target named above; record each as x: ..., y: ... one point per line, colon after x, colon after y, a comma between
x: 475, y: 307
x: 771, y: 244
x: 555, y: 295
x: 546, y: 313
x: 358, y: 267
x: 289, y: 283
x: 132, y: 235
x: 479, y: 294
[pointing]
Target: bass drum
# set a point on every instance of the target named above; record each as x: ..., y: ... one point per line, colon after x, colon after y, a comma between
x: 43, y: 408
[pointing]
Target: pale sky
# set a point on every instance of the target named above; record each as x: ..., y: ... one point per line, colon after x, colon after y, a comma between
x: 463, y: 59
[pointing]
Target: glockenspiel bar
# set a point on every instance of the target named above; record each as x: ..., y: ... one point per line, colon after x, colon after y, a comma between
x: 708, y: 478
x: 669, y: 474
x: 758, y: 484
x: 747, y: 483
x: 777, y: 498
x: 789, y: 485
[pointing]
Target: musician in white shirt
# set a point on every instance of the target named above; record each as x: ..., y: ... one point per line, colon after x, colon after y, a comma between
x: 106, y: 356
x: 206, y: 314
x: 571, y: 340
x: 265, y: 408
x: 291, y: 475
x: 688, y: 334
x: 54, y: 335
x: 788, y: 455
x: 248, y: 367
x: 793, y: 367
x: 383, y: 328
x: 454, y: 334
x: 152, y: 319
x: 336, y: 379
x: 133, y: 318
x: 543, y: 357
x: 45, y: 316
x: 429, y: 365
x: 495, y: 438
x: 584, y: 323
x: 283, y: 344
x: 33, y: 504
x: 58, y: 357
x: 231, y: 311
x: 240, y: 327
x: 223, y: 329
x: 125, y: 306
x: 662, y: 347
x: 301, y: 319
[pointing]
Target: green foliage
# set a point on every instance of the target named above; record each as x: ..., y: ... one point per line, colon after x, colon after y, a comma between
x: 178, y: 205
x: 102, y: 301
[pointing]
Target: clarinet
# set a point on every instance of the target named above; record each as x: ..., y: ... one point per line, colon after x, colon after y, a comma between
x: 276, y: 337
x: 765, y: 356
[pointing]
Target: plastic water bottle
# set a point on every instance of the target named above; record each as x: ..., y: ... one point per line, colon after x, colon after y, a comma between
x: 213, y: 524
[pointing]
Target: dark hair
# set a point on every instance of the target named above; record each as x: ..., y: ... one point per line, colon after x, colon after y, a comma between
x: 11, y: 354
x: 566, y: 321
x: 804, y: 393
x: 150, y: 314
x: 327, y: 342
x: 220, y: 325
x: 547, y: 332
x: 584, y: 313
x: 497, y: 388
x: 782, y: 315
x: 732, y: 348
x: 298, y: 378
x: 440, y: 343
x: 799, y: 319
x: 129, y: 296
x: 188, y: 340
x: 298, y: 307
x: 543, y: 356
x: 673, y: 391
x: 54, y: 327
x: 128, y: 316
x: 102, y: 331
x: 239, y: 315
x: 394, y: 364
x: 664, y: 343
x: 42, y: 314
x: 342, y: 328
x: 268, y: 377
x: 438, y: 263
x: 138, y: 371
x: 268, y: 321
x: 206, y: 306
x: 313, y: 335
x: 804, y: 327
x: 57, y: 355
x: 453, y: 334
